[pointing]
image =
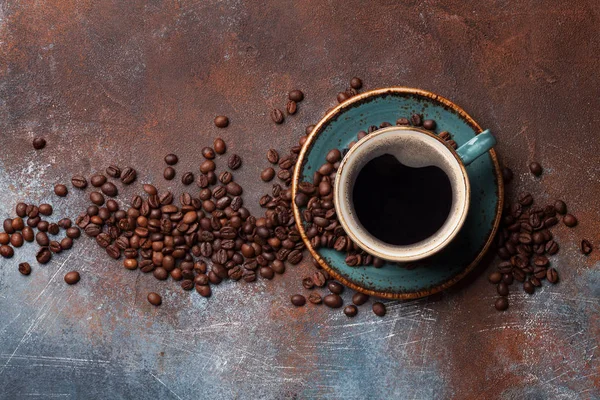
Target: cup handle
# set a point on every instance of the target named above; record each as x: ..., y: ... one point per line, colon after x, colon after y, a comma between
x: 476, y: 147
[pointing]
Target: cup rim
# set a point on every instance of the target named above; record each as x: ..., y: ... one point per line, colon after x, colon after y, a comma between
x: 333, y: 114
x: 428, y: 252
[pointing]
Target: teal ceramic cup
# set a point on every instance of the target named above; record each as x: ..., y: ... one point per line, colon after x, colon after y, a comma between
x: 415, y: 148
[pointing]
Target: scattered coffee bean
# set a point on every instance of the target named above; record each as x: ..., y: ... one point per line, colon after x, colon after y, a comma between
x: 502, y: 289
x: 277, y: 116
x: 44, y: 209
x: 97, y: 198
x: 360, y: 298
x: 379, y: 309
x: 219, y: 146
x: 187, y: 178
x: 570, y: 220
x: 234, y: 162
x: 6, y: 251
x: 535, y: 168
x: 60, y: 190
x: 221, y: 121
x: 333, y: 301
x: 113, y: 171
x: 416, y: 119
x: 528, y: 287
x: 267, y: 174
x: 296, y: 95
x: 356, y: 83
x: 351, y: 310
x: 560, y: 207
x: 315, y: 298
x: 501, y: 303
x: 109, y: 189
x: 24, y: 268
x: 155, y: 299
x: 128, y: 175
x: 291, y: 107
x: 298, y: 300
x: 342, y: 97
x: 79, y: 182
x: 586, y: 247
x: 429, y: 124
x: 335, y: 287
x: 171, y: 159
x: 39, y: 143
x: 169, y: 173
x: 552, y: 275
x: 495, y: 277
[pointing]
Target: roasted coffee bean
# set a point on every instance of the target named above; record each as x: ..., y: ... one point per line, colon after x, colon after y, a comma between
x: 525, y: 238
x: 225, y: 177
x: 21, y: 210
x: 298, y: 300
x: 97, y: 198
x: 315, y: 298
x: 266, y: 272
x: 24, y: 268
x: 351, y: 310
x: 379, y: 309
x: 204, y: 290
x: 495, y: 277
x: 6, y: 251
x: 291, y: 107
x: 98, y: 180
x: 60, y: 190
x: 55, y: 247
x: 570, y: 220
x: 18, y: 224
x: 502, y: 289
x: 308, y: 283
x: 333, y: 301
x: 541, y: 261
x: 155, y: 299
x: 43, y: 255
x: 39, y: 143
x: 8, y: 228
x: 130, y: 263
x: 525, y: 199
x: 53, y: 229
x: 429, y: 124
x: 128, y: 175
x: 219, y: 146
x: 296, y: 95
x: 187, y: 178
x: 277, y: 116
x: 528, y: 287
x: 43, y: 226
x: 27, y: 234
x: 518, y: 274
x: 416, y: 119
x: 550, y: 222
x: 402, y: 121
x: 273, y: 156
x: 79, y: 182
x: 42, y: 239
x: 66, y: 243
x: 234, y: 162
x: 171, y: 159
x: 356, y: 83
x: 501, y: 304
x: 535, y: 168
x: 267, y: 174
x: 342, y: 97
x: 221, y: 121
x: 73, y: 232
x: 109, y: 189
x: 335, y: 287
x: 586, y: 247
x: 552, y: 275
x: 16, y: 239
x: 507, y: 279
x: 551, y: 247
x: 560, y: 207
x: 113, y: 171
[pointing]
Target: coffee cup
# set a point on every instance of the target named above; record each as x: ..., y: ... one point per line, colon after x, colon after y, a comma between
x: 402, y: 193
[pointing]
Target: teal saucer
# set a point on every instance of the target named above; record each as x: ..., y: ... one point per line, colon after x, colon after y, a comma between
x: 423, y: 278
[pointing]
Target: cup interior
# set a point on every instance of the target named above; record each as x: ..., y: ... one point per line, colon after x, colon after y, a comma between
x: 414, y: 148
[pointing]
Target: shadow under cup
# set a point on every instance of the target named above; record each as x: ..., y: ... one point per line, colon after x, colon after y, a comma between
x: 414, y: 148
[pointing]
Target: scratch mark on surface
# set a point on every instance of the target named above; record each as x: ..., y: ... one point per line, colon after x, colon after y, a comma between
x: 162, y: 383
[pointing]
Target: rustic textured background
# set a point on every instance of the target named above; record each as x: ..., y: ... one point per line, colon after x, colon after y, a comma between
x: 128, y: 81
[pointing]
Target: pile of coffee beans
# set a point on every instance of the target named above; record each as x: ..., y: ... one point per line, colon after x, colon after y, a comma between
x: 525, y: 242
x: 22, y: 228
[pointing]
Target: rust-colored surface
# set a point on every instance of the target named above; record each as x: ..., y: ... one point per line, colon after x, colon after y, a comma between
x: 127, y: 82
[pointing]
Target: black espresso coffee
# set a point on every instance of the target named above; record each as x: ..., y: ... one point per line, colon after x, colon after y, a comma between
x: 398, y: 204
